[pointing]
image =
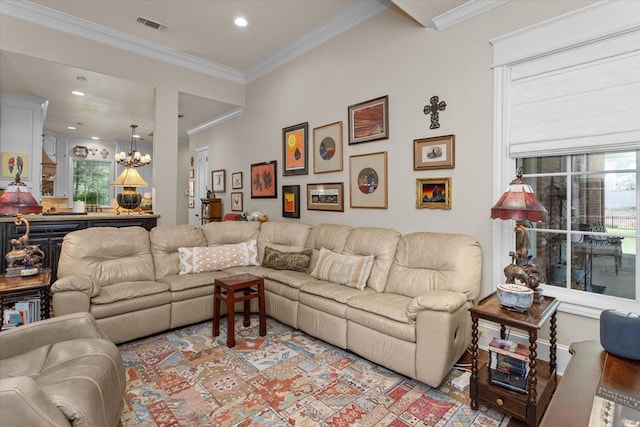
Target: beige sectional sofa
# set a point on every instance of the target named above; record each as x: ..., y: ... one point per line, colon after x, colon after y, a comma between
x: 410, y: 317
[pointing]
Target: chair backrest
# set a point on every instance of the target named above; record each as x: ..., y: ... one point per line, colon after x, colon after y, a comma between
x: 599, y: 240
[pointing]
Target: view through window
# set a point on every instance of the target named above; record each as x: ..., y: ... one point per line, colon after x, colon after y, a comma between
x: 589, y: 239
x: 91, y: 182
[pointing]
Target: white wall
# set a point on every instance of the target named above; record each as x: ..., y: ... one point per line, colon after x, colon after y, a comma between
x: 388, y: 55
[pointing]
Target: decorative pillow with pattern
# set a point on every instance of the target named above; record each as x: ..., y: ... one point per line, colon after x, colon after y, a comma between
x: 295, y: 261
x: 349, y: 270
x: 200, y: 259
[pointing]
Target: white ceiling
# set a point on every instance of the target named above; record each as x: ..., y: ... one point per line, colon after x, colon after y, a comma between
x: 199, y: 28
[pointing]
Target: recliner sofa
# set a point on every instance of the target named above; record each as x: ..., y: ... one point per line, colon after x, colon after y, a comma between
x: 411, y: 316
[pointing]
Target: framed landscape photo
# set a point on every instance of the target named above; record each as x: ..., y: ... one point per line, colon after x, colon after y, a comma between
x: 218, y: 180
x: 327, y: 148
x: 325, y: 197
x: 368, y: 180
x: 291, y: 201
x: 264, y: 180
x: 236, y: 202
x: 434, y: 153
x: 433, y: 193
x: 295, y: 143
x: 236, y: 180
x: 369, y: 120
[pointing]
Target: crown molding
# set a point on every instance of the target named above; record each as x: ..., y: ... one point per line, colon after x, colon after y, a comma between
x: 463, y: 12
x: 356, y: 13
x: 215, y: 121
x: 50, y: 18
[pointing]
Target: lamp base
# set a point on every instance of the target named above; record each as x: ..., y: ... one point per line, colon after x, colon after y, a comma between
x: 130, y: 200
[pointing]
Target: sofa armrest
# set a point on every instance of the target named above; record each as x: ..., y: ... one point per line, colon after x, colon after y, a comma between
x: 83, y: 284
x: 22, y: 402
x: 436, y: 300
x: 49, y: 331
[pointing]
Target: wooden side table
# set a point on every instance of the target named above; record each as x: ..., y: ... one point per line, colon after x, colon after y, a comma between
x: 542, y: 379
x: 590, y: 366
x: 224, y: 289
x: 13, y: 289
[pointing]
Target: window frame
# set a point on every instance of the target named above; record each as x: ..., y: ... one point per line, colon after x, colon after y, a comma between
x: 112, y: 190
x: 565, y: 32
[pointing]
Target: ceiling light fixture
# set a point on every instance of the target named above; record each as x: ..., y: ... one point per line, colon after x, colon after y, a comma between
x: 134, y: 159
x: 95, y: 138
x: 71, y: 127
x: 241, y: 22
x: 77, y: 93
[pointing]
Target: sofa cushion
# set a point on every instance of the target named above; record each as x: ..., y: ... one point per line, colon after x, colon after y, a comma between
x: 349, y: 270
x: 201, y: 259
x: 165, y: 241
x: 181, y: 282
x: 329, y: 290
x: 128, y: 290
x: 379, y: 242
x: 107, y: 255
x: 295, y: 261
x: 329, y: 236
x: 229, y: 232
x: 391, y: 306
x: 294, y: 279
x: 283, y: 236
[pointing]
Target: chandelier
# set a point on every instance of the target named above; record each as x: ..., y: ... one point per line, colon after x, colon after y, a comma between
x: 134, y: 159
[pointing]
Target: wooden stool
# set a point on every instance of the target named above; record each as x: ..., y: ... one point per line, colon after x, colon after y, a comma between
x: 224, y: 289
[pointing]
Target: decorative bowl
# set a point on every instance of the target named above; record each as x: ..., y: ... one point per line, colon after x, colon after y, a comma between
x: 515, y: 297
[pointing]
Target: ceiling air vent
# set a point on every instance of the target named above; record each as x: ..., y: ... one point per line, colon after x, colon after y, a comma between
x: 151, y: 24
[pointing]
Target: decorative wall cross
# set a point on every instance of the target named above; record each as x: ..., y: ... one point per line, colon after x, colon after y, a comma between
x: 433, y: 108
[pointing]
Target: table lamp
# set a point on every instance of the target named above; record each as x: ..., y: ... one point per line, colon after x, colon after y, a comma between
x: 520, y: 203
x: 129, y: 198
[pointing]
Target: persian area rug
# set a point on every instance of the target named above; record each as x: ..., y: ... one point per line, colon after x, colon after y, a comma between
x: 287, y: 378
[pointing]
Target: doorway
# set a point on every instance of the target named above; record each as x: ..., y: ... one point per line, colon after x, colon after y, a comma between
x: 201, y: 184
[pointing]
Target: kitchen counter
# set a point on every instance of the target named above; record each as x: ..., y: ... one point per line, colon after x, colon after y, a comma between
x: 66, y: 216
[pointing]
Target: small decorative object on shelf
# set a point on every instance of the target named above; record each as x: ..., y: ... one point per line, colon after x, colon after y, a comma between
x: 515, y: 297
x: 23, y: 256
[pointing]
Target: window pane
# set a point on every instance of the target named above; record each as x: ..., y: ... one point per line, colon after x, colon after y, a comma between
x: 552, y: 193
x: 91, y: 182
x: 552, y: 164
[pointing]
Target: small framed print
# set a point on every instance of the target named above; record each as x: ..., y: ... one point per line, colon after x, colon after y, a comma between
x: 368, y: 180
x: 369, y: 120
x: 291, y: 201
x: 433, y: 193
x: 295, y: 143
x: 325, y: 197
x: 192, y: 173
x: 264, y: 180
x: 434, y: 153
x: 236, y: 180
x: 236, y: 202
x: 218, y: 179
x: 192, y: 204
x: 327, y: 148
x: 192, y: 188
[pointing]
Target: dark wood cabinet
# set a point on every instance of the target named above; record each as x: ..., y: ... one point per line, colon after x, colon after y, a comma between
x: 210, y: 210
x: 48, y: 233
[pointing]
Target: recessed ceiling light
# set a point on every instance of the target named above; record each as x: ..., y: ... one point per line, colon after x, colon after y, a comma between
x: 71, y: 127
x: 95, y: 137
x: 77, y: 93
x: 241, y: 22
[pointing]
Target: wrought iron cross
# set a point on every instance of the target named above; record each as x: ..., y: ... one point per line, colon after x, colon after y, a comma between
x: 433, y: 108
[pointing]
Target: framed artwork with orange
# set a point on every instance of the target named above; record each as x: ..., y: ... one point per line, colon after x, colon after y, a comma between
x: 295, y: 155
x: 264, y: 180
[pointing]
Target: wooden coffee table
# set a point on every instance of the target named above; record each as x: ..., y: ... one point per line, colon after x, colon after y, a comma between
x: 224, y: 289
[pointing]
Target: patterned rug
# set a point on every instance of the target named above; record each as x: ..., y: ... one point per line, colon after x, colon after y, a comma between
x: 186, y: 378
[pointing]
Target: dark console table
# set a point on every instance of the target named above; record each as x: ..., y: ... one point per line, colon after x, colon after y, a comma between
x: 590, y: 365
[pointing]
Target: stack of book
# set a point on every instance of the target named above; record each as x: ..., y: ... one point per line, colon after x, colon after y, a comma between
x: 508, y: 364
x: 23, y: 312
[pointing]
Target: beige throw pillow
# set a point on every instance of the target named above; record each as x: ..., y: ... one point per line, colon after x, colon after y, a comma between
x: 200, y: 259
x: 349, y: 270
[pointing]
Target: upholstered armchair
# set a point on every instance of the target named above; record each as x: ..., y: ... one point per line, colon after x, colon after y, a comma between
x: 61, y: 371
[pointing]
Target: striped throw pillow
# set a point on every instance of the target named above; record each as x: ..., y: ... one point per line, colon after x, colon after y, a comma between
x: 200, y: 259
x: 349, y: 270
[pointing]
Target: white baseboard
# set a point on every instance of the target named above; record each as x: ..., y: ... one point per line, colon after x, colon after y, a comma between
x: 488, y: 330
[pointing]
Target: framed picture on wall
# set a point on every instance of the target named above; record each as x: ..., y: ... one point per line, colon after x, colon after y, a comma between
x: 264, y: 180
x: 236, y: 202
x: 218, y: 179
x: 433, y: 193
x: 295, y: 149
x: 327, y: 148
x: 434, y: 153
x: 236, y: 180
x: 369, y: 120
x: 368, y: 180
x: 325, y: 197
x: 291, y: 201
